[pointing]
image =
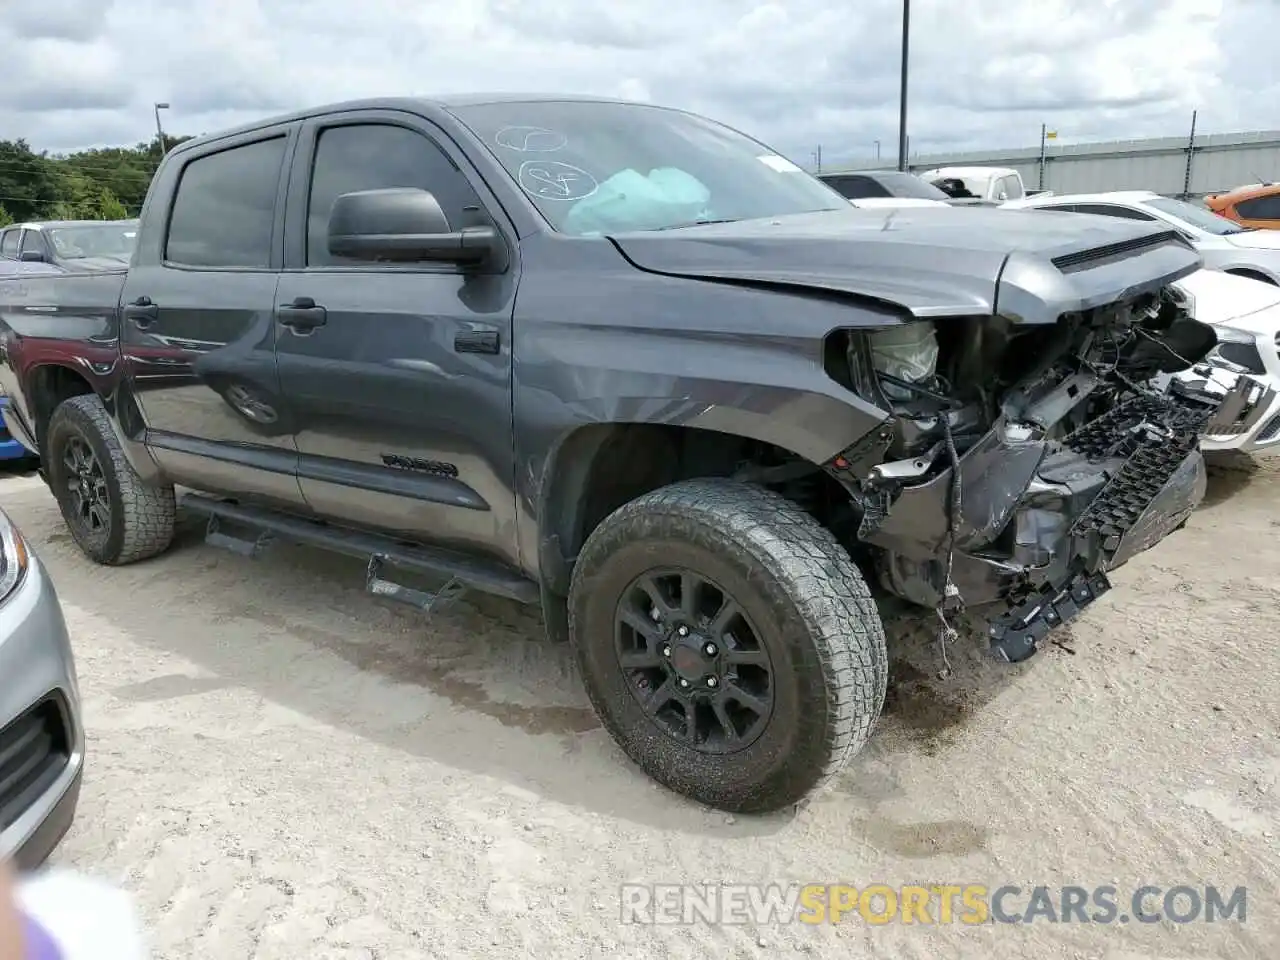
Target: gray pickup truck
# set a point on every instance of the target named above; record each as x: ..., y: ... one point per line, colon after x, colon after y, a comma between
x: 633, y: 366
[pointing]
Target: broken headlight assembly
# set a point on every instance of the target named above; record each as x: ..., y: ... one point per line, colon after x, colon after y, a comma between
x: 1237, y: 350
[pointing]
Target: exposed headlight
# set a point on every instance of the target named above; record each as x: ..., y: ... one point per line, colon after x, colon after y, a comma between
x: 1237, y: 350
x: 1232, y: 335
x: 13, y: 557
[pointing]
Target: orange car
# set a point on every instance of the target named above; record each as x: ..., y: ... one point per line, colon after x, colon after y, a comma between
x: 1253, y: 206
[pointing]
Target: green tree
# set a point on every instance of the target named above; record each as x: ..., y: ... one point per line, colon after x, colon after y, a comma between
x: 5, y: 217
x: 28, y: 182
x: 107, y: 183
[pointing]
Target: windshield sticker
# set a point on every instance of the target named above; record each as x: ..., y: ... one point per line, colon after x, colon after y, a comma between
x: 553, y: 180
x: 530, y: 139
x: 781, y: 164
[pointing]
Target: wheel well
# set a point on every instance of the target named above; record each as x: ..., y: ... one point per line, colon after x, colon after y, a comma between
x: 49, y: 386
x: 600, y: 467
x: 1252, y: 275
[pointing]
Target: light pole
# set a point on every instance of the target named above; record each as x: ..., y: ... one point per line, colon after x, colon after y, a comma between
x: 160, y: 129
x: 877, y: 151
x: 902, y: 88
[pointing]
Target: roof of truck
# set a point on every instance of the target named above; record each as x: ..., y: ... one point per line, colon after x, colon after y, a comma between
x: 425, y: 105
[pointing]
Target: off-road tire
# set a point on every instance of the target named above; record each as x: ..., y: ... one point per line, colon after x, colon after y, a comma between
x: 823, y: 633
x: 141, y: 517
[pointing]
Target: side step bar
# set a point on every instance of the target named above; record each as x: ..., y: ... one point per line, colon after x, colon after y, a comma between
x: 461, y: 570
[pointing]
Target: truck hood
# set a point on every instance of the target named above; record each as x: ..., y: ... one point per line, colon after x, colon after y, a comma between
x: 1031, y: 266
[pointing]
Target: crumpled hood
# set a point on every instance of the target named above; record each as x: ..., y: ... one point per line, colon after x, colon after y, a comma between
x: 1030, y: 265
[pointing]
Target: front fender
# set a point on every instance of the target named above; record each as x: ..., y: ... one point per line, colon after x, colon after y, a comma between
x: 634, y: 348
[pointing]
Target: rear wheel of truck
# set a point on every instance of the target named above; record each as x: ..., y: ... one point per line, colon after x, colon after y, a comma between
x: 114, y: 517
x: 728, y: 643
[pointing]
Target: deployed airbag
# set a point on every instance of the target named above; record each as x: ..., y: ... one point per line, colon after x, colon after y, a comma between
x: 629, y: 200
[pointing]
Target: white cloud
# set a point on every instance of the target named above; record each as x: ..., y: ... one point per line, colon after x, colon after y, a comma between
x: 984, y: 73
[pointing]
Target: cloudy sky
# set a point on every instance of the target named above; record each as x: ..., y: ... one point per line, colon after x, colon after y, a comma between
x: 796, y: 73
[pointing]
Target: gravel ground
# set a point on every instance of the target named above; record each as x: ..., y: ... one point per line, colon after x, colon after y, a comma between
x: 281, y: 766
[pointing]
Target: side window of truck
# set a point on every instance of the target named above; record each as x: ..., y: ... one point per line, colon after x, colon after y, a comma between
x: 224, y: 210
x: 371, y: 156
x: 31, y: 240
x: 9, y: 243
x: 856, y: 187
x: 1107, y: 210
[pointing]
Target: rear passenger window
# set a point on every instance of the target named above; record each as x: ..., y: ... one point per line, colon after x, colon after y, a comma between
x: 9, y: 243
x: 1106, y: 210
x: 373, y: 156
x: 1260, y: 208
x: 856, y: 187
x: 224, y: 210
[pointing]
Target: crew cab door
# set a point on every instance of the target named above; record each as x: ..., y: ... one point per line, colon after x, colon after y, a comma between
x: 197, y: 318
x: 397, y: 376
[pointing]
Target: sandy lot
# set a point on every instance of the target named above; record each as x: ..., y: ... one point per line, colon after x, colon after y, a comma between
x: 281, y: 766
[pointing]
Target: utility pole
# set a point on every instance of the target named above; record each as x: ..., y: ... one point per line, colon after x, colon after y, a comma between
x: 1043, y: 130
x: 164, y: 147
x: 877, y: 151
x: 819, y: 156
x: 902, y: 87
x: 1191, y: 146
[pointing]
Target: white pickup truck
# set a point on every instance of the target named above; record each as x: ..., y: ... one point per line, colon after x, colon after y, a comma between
x: 985, y: 184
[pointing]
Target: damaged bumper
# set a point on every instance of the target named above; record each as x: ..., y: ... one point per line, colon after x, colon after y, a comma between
x: 1248, y: 417
x: 1041, y: 522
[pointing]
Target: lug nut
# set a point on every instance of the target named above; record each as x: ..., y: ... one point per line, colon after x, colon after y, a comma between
x: 684, y: 682
x: 712, y: 681
x: 710, y: 650
x: 682, y: 631
x: 666, y: 649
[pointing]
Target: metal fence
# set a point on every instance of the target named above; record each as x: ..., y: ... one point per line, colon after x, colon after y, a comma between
x: 1192, y: 165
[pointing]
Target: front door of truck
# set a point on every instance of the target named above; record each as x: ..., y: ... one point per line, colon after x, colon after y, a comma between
x: 197, y: 326
x: 397, y: 377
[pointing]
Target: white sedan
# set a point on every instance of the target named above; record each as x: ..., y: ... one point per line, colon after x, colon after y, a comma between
x: 1223, y: 243
x: 1245, y: 314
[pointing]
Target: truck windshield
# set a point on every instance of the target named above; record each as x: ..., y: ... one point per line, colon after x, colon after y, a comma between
x: 113, y: 239
x: 593, y: 167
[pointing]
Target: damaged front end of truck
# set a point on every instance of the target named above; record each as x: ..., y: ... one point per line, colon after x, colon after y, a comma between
x: 1025, y: 454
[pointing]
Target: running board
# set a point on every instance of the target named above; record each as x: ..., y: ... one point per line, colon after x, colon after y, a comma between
x: 265, y: 526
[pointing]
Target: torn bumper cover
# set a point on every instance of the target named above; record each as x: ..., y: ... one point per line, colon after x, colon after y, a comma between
x: 1042, y: 522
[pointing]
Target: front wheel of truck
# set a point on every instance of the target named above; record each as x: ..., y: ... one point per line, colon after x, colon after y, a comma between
x: 114, y: 517
x: 728, y: 643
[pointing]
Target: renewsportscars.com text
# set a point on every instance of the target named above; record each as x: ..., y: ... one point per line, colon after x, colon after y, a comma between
x: 967, y: 904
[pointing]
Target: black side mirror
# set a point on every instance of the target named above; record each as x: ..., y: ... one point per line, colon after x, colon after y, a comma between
x: 403, y: 224
x: 31, y: 256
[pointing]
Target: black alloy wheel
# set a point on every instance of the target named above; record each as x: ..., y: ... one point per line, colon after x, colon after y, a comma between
x: 694, y: 661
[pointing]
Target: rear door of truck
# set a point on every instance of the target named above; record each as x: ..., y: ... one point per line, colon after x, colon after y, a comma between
x: 197, y: 325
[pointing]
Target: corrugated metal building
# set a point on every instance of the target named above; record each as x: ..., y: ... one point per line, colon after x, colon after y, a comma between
x: 1214, y: 163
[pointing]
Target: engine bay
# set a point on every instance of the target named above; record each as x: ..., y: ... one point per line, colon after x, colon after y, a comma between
x: 962, y: 376
x: 1019, y: 463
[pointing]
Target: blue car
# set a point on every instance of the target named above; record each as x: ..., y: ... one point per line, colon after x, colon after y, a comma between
x: 10, y: 449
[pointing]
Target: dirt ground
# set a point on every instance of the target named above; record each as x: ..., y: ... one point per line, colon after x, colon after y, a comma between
x: 281, y: 766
